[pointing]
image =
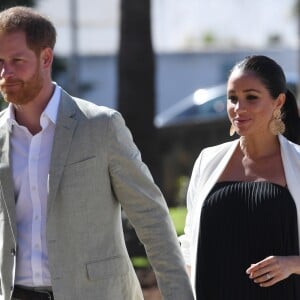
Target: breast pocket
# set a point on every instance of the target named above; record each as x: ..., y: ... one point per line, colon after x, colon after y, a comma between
x: 110, y: 267
x: 78, y: 173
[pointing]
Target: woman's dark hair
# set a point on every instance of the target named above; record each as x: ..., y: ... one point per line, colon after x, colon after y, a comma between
x: 272, y: 76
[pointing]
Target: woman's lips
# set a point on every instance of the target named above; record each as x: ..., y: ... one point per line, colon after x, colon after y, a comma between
x: 240, y: 121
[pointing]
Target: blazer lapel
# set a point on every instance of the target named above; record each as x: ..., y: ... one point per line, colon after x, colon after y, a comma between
x: 291, y: 164
x: 65, y: 126
x: 215, y: 163
x: 7, y: 195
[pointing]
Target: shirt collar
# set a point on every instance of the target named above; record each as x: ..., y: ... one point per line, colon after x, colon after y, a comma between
x: 50, y: 111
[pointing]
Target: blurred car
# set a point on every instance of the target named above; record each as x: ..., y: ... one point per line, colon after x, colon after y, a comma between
x: 205, y: 105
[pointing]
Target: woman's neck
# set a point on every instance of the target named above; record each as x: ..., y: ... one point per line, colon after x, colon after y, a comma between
x: 257, y: 148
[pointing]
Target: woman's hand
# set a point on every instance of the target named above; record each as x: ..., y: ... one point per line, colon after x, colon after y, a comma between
x: 273, y: 269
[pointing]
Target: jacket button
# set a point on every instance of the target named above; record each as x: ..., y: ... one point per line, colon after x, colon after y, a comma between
x: 13, y: 251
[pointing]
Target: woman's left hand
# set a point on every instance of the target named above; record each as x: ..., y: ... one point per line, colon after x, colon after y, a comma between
x: 273, y: 269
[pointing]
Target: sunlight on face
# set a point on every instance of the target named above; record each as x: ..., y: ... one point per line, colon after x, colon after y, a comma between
x: 250, y: 106
x: 21, y: 77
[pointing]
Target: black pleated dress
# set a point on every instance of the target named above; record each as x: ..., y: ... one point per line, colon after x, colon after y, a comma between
x: 243, y: 223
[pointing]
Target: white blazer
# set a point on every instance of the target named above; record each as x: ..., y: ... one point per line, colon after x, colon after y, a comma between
x: 206, y: 172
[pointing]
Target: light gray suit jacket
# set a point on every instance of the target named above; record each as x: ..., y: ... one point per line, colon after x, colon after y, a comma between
x: 95, y: 169
x: 206, y: 172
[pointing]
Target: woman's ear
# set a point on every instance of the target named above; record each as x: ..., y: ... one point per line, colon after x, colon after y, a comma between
x: 280, y: 100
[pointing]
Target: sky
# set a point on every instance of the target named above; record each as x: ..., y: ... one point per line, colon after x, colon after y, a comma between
x: 176, y: 25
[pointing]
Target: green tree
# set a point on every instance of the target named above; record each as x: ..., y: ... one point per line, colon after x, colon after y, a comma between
x: 9, y: 3
x: 136, y: 88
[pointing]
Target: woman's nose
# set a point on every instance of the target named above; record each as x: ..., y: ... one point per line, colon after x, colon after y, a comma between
x: 239, y: 107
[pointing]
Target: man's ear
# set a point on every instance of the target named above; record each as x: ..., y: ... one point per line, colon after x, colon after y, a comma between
x: 47, y: 57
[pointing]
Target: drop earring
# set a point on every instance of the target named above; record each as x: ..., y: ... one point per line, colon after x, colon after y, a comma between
x: 276, y: 125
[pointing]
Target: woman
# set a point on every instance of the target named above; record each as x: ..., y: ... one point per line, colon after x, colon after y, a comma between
x: 241, y: 236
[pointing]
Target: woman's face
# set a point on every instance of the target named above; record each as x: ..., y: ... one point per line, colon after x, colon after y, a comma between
x: 250, y: 106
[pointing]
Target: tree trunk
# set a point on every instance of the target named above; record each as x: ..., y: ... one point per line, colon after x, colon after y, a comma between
x: 136, y: 91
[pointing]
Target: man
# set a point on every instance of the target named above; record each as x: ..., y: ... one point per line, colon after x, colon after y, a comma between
x: 66, y: 168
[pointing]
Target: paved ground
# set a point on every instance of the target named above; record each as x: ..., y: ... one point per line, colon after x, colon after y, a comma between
x: 149, y: 285
x: 152, y: 294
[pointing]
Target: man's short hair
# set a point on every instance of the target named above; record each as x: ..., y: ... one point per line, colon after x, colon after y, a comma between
x: 39, y: 31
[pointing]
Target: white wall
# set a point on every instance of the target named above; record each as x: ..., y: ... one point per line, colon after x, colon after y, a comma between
x: 177, y: 25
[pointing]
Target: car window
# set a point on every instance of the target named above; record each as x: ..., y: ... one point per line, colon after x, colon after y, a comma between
x: 214, y: 107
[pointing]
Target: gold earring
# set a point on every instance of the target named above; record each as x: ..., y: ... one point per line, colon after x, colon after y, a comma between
x: 276, y: 125
x: 231, y: 130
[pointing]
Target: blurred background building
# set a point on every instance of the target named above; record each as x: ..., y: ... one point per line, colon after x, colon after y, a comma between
x: 179, y: 26
x: 195, y: 42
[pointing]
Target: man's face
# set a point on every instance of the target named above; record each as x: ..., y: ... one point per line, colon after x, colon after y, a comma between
x: 21, y: 76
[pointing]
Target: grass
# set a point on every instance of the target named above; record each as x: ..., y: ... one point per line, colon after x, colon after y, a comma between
x: 178, y: 215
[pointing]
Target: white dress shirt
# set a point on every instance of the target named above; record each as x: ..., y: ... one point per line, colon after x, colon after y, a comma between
x: 30, y: 157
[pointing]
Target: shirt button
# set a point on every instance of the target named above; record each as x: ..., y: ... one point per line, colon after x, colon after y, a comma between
x: 13, y: 251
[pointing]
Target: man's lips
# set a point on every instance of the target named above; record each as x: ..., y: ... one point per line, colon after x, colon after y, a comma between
x: 8, y: 85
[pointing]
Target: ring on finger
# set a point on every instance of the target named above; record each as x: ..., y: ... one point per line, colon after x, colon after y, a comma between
x: 268, y: 276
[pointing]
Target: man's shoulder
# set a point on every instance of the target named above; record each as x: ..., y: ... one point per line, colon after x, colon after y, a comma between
x: 92, y: 108
x: 86, y: 108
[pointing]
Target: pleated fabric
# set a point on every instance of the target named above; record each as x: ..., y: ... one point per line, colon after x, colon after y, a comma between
x: 241, y: 224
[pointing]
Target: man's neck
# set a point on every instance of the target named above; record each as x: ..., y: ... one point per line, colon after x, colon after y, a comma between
x: 29, y: 115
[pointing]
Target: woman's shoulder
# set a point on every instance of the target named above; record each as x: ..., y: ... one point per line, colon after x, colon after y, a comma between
x: 210, y: 157
x: 287, y: 145
x: 220, y: 148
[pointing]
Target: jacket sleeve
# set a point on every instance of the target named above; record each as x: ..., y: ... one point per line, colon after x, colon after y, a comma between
x: 147, y: 210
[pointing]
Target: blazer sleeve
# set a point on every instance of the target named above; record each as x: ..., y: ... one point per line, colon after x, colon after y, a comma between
x: 186, y: 238
x: 147, y: 210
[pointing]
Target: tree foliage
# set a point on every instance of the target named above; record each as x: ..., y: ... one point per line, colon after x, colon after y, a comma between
x: 9, y: 3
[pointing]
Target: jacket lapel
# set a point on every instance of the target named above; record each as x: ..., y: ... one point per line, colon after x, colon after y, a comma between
x: 291, y: 163
x: 65, y: 126
x: 6, y: 184
x: 215, y: 163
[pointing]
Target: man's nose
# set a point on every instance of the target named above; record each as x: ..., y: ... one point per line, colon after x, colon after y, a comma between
x: 5, y: 70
